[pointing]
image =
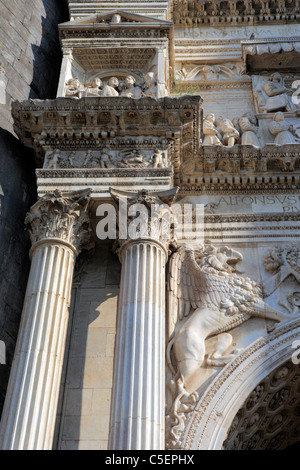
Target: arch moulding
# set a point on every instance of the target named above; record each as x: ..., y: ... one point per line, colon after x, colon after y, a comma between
x: 211, y: 420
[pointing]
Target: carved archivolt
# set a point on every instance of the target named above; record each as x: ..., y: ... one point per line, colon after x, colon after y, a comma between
x: 243, y: 383
x: 270, y: 417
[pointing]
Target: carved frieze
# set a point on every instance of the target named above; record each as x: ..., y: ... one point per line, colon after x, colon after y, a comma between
x: 106, y: 158
x: 126, y: 126
x: 245, y: 167
x: 211, y: 73
x: 121, y: 85
x: 269, y: 418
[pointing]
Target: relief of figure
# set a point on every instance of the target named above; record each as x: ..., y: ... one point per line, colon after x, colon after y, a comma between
x: 134, y: 159
x: 249, y: 130
x: 207, y: 297
x: 94, y: 89
x: 230, y: 134
x: 74, y: 88
x: 105, y: 160
x: 150, y: 84
x: 52, y: 160
x: 272, y: 95
x: 282, y: 130
x: 282, y: 262
x: 294, y: 301
x: 131, y: 90
x: 211, y: 133
x: 157, y: 159
x: 116, y: 19
x: 110, y: 88
x: 98, y: 161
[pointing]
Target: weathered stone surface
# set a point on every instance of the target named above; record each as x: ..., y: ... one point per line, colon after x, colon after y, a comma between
x: 29, y: 68
x: 88, y: 375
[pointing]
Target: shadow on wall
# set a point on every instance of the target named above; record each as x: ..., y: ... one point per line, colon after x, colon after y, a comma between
x: 17, y: 194
x: 85, y: 400
x: 47, y: 56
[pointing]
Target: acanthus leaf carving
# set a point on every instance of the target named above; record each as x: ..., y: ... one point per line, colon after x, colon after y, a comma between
x: 63, y: 217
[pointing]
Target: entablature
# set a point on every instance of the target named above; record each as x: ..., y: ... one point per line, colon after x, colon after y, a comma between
x: 218, y: 12
x: 109, y: 132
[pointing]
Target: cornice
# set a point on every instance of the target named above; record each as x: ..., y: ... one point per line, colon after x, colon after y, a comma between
x: 94, y: 123
x: 154, y: 8
x: 229, y: 13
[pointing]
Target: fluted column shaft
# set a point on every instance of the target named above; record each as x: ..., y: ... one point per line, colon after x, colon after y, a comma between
x: 138, y: 402
x: 30, y: 409
x: 139, y: 395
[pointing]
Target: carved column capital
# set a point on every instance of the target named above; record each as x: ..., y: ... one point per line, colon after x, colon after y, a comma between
x: 145, y: 216
x: 60, y: 218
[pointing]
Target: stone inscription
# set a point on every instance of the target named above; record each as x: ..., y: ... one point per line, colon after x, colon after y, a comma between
x: 261, y: 203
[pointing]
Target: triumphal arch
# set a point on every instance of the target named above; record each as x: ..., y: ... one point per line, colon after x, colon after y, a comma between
x: 145, y: 341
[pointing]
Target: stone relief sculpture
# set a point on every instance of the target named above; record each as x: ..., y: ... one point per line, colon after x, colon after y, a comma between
x: 294, y: 301
x: 245, y: 130
x: 113, y: 87
x: 230, y: 134
x: 74, y: 88
x: 211, y: 133
x: 282, y: 131
x: 105, y: 159
x: 282, y: 262
x: 249, y: 129
x: 94, y: 89
x: 207, y: 297
x: 271, y: 95
x: 110, y: 88
x: 158, y: 159
x: 211, y: 72
x: 131, y: 89
x: 52, y: 159
x: 116, y: 19
x: 133, y: 159
x: 150, y: 84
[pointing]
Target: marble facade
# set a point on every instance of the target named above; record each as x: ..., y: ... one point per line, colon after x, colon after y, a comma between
x: 194, y: 103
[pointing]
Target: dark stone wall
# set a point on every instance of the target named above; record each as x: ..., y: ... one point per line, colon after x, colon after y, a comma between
x: 30, y: 66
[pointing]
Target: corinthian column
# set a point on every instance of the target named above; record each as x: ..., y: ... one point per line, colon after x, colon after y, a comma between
x: 138, y: 405
x: 59, y: 227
